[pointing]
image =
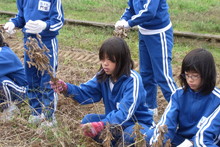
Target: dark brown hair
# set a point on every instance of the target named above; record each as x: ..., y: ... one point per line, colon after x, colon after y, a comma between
x: 200, y: 61
x: 117, y: 50
x: 2, y: 42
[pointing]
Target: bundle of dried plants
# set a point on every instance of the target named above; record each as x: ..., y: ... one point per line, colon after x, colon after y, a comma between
x: 2, y: 32
x: 139, y: 137
x: 39, y: 56
x: 160, y: 141
x: 121, y: 32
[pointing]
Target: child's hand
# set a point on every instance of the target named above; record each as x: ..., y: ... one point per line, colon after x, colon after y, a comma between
x: 9, y: 27
x: 35, y: 27
x: 59, y: 86
x: 122, y: 23
x: 92, y: 129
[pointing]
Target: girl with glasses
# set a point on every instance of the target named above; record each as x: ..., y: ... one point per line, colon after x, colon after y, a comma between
x: 191, y: 104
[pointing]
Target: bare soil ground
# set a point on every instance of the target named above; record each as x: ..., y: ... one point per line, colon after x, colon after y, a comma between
x: 75, y: 66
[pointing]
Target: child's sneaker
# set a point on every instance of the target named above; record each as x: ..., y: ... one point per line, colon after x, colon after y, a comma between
x: 36, y: 119
x: 48, y: 124
x: 10, y: 113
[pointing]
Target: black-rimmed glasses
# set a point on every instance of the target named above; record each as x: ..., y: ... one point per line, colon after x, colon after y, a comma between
x: 193, y: 77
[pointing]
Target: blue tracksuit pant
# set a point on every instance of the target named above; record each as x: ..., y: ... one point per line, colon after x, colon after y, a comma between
x: 10, y: 91
x: 155, y: 55
x: 42, y: 98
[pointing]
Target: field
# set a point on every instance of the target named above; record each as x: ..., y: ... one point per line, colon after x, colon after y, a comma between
x: 75, y: 66
x: 78, y: 62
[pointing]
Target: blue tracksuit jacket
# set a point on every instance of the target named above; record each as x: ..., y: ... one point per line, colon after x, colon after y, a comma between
x: 209, y: 133
x: 50, y: 11
x: 148, y: 14
x: 155, y: 46
x: 12, y: 76
x: 186, y: 112
x: 124, y: 105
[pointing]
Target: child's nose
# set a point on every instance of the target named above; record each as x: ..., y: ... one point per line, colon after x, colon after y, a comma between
x: 105, y: 62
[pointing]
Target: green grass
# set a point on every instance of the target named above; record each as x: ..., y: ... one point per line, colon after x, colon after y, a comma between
x: 196, y: 15
x: 94, y: 10
x: 182, y: 46
x: 8, y: 5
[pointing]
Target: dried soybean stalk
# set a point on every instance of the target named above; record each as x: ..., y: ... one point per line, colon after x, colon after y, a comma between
x: 139, y: 137
x: 39, y: 56
x: 160, y: 141
x: 2, y: 33
x: 121, y: 32
x: 2, y: 30
x: 5, y: 34
x: 106, y: 136
x: 168, y: 143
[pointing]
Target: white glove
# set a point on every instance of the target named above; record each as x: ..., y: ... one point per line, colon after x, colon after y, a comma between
x: 186, y: 143
x: 122, y: 23
x: 9, y: 27
x: 35, y: 27
x: 155, y: 111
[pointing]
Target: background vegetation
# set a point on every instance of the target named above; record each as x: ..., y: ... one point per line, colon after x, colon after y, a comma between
x: 198, y: 16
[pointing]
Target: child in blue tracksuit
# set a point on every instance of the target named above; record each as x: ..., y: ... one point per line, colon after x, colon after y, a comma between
x: 118, y: 86
x: 209, y: 133
x: 46, y: 18
x: 12, y: 79
x: 191, y: 105
x: 155, y: 45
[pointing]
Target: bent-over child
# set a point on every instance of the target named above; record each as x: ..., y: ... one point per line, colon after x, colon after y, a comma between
x: 12, y: 80
x: 118, y: 86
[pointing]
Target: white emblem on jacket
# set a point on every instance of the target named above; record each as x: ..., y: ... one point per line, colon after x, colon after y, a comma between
x: 44, y: 6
